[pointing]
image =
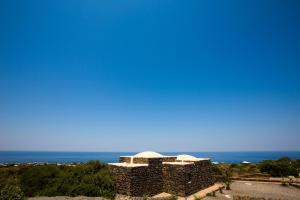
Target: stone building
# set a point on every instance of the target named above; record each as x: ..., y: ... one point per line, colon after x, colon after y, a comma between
x: 150, y: 173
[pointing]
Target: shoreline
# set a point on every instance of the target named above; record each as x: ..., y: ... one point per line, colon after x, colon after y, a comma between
x: 24, y: 157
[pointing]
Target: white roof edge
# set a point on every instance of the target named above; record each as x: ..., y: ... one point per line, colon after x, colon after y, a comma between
x: 178, y: 163
x: 186, y: 157
x: 148, y: 154
x: 124, y: 164
x: 162, y: 156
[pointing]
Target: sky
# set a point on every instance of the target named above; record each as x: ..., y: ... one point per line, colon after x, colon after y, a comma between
x: 134, y: 75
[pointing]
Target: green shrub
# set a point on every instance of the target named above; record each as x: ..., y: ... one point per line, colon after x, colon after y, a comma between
x: 145, y: 196
x: 227, y: 185
x: 212, y: 194
x: 36, y: 179
x: 90, y: 179
x: 221, y: 190
x: 284, y: 183
x: 216, y: 170
x: 173, y: 197
x: 233, y: 165
x: 281, y: 167
x: 209, y: 194
x: 197, y: 197
x: 11, y: 192
x: 227, y: 179
x: 8, y: 176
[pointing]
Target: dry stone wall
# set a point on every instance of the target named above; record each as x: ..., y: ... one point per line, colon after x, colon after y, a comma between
x: 174, y: 179
x: 199, y: 176
x: 181, y: 180
x: 184, y: 180
x: 121, y: 179
x: 124, y: 159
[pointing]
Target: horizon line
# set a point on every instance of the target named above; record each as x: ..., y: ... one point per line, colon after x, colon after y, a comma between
x: 76, y: 151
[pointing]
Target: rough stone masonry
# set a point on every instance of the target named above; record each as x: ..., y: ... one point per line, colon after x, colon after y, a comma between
x: 150, y: 173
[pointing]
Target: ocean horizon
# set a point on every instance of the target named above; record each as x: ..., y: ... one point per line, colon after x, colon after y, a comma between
x: 10, y: 157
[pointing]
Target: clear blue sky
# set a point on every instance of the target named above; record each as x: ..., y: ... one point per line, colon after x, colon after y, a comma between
x: 150, y: 75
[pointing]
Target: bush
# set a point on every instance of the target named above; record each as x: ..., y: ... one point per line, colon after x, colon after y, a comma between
x: 36, y: 179
x: 90, y: 179
x: 11, y: 192
x: 216, y: 170
x: 197, y: 197
x: 145, y: 197
x: 227, y: 186
x: 173, y: 197
x: 233, y: 165
x: 282, y: 167
x: 284, y: 183
x: 212, y: 194
x: 221, y: 190
x: 227, y: 179
x: 8, y: 176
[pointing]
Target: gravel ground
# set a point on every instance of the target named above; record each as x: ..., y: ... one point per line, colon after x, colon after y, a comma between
x: 256, y: 189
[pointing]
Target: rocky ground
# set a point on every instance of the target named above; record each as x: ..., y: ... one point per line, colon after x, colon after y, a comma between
x: 239, y: 188
x: 259, y: 190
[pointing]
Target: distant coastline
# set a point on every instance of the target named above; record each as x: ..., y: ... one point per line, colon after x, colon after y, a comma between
x: 106, y: 157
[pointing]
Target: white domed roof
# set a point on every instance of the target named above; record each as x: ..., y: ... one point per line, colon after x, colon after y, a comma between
x: 148, y: 154
x: 185, y: 157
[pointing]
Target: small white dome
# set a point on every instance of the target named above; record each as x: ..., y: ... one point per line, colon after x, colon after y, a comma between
x: 185, y: 157
x: 148, y: 154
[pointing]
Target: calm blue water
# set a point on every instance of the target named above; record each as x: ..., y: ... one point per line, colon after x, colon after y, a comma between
x: 52, y: 157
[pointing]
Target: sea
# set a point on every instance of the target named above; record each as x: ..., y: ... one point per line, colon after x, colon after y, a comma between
x: 108, y: 157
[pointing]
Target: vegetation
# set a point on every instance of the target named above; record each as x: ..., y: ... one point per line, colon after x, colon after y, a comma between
x: 90, y: 179
x: 282, y: 167
x: 212, y: 194
x: 173, y: 197
x: 9, y: 184
x: 221, y: 190
x: 227, y: 185
x: 227, y: 178
x: 217, y: 169
x: 94, y: 178
x: 145, y: 196
x: 284, y: 183
x: 197, y: 197
x: 11, y: 192
x: 235, y: 170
